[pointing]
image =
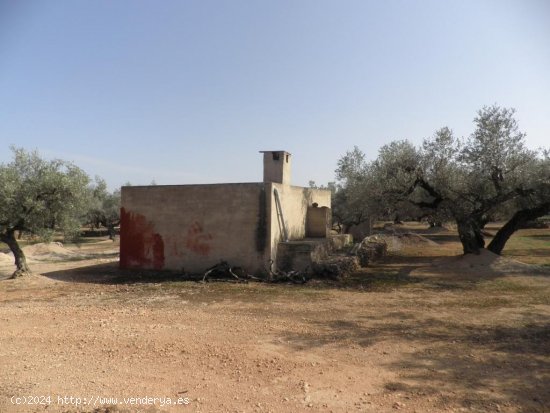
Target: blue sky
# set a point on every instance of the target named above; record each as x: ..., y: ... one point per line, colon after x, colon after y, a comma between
x: 190, y: 91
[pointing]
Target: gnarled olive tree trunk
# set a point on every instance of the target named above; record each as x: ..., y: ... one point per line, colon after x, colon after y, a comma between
x: 515, y: 223
x: 469, y: 231
x: 20, y: 261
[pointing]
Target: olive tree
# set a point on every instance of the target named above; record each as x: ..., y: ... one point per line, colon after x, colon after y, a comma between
x: 374, y: 190
x: 468, y: 180
x: 351, y: 204
x: 38, y: 196
x: 104, y: 207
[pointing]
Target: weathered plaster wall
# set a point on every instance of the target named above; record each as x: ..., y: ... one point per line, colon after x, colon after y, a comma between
x: 294, y: 201
x: 195, y: 226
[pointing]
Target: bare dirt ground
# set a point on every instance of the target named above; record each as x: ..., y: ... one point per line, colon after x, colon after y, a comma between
x: 403, y: 335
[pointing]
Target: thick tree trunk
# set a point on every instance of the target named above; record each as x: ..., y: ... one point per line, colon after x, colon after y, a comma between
x: 20, y: 260
x: 111, y: 231
x: 470, y: 235
x: 515, y: 223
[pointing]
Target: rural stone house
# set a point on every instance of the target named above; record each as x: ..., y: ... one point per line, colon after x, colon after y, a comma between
x: 193, y: 227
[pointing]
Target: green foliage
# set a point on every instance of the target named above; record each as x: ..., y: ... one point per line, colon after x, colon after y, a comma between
x: 104, y: 206
x: 460, y: 179
x: 367, y: 190
x: 351, y: 201
x: 39, y: 196
x: 492, y: 173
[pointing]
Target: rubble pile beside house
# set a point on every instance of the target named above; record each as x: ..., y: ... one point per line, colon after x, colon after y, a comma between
x: 318, y: 257
x: 336, y: 266
x: 372, y: 248
x: 397, y: 240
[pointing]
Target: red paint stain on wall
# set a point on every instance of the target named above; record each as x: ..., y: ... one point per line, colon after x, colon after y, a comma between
x: 140, y: 245
x: 197, y: 241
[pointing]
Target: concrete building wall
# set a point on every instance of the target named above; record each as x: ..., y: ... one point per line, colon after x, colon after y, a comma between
x: 295, y: 201
x: 193, y: 227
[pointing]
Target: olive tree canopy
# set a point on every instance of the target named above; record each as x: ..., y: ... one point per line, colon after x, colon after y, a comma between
x: 104, y: 207
x: 469, y: 181
x: 39, y: 196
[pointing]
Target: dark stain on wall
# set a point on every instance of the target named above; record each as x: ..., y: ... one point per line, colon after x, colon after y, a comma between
x: 158, y: 252
x: 140, y: 245
x: 261, y: 228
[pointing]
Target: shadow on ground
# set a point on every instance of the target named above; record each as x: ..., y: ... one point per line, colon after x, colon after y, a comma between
x: 469, y: 366
x: 110, y: 273
x: 380, y: 277
x: 394, y: 273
